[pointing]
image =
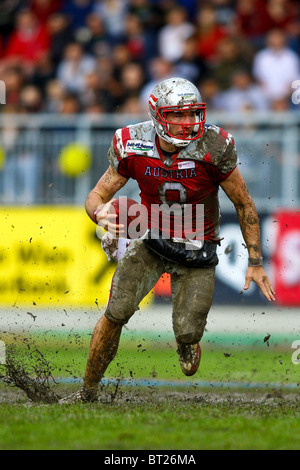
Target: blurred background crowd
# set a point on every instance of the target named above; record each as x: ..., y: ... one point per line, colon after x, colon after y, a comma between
x: 105, y: 56
x: 75, y: 70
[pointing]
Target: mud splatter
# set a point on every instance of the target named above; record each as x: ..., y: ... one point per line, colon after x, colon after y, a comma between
x: 266, y: 339
x: 31, y: 373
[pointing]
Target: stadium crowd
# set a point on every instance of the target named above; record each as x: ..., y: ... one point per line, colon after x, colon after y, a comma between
x: 101, y: 56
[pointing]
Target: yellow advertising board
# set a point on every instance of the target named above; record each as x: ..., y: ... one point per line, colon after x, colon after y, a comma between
x: 51, y: 256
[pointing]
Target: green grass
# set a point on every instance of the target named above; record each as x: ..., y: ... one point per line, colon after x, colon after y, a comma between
x: 154, y: 418
x: 171, y: 425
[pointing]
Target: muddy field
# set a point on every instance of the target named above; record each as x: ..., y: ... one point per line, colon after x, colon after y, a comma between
x: 130, y: 416
x: 121, y: 395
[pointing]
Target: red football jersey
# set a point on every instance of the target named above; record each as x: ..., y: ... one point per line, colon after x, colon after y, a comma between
x: 185, y: 181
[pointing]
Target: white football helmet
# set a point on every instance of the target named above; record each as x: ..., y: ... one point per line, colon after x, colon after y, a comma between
x: 177, y: 94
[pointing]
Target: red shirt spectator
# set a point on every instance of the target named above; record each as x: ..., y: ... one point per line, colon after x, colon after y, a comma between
x: 44, y: 8
x: 281, y: 14
x: 209, y: 34
x: 29, y: 41
x: 257, y: 17
x: 134, y: 37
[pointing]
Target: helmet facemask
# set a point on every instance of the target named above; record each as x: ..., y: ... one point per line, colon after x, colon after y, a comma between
x: 191, y: 130
x: 177, y: 95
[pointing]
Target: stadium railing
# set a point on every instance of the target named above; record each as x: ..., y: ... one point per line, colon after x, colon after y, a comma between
x: 32, y: 173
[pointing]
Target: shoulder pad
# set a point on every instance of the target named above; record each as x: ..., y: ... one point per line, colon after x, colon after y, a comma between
x: 136, y: 139
x: 216, y: 147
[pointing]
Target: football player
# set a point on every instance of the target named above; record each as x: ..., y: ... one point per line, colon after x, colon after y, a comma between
x: 175, y: 157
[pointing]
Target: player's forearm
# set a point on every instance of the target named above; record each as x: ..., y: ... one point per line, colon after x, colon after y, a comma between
x: 93, y: 201
x: 249, y: 223
x: 104, y: 191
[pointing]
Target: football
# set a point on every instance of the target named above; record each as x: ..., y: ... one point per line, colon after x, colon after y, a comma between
x: 132, y: 215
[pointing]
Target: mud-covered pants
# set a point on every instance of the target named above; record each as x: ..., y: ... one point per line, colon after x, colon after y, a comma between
x: 137, y: 273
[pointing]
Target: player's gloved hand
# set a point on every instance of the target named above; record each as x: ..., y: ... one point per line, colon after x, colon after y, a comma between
x: 105, y: 216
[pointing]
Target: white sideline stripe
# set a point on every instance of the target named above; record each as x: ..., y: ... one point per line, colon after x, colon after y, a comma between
x: 155, y: 318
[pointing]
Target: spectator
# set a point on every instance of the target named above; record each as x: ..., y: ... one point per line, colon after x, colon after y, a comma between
x: 254, y: 19
x: 189, y: 66
x: 97, y: 43
x: 210, y: 91
x: 93, y: 111
x: 134, y: 37
x: 77, y: 12
x: 148, y: 13
x: 151, y: 19
x: 31, y: 99
x: 144, y: 9
x: 132, y: 80
x: 60, y: 36
x: 97, y: 91
x: 112, y: 12
x: 209, y: 33
x: 225, y: 11
x: 276, y: 66
x: 190, y: 6
x: 54, y: 95
x: 159, y: 69
x: 111, y: 69
x: 43, y: 9
x: 243, y: 95
x: 131, y: 105
x: 229, y: 59
x: 251, y: 19
x: 70, y: 104
x: 28, y: 42
x: 281, y: 14
x: 44, y: 72
x: 74, y: 67
x: 120, y: 57
x: 76, y: 41
x: 174, y: 33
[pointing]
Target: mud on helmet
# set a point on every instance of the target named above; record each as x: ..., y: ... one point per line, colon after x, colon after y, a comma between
x: 177, y: 94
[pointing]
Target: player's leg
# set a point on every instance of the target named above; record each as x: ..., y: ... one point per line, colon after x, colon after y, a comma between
x: 103, y: 348
x: 192, y: 293
x: 136, y: 274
